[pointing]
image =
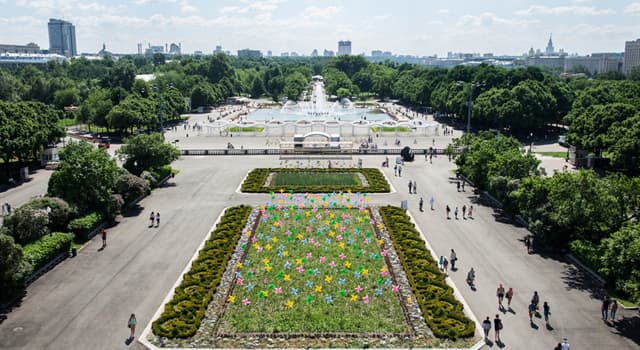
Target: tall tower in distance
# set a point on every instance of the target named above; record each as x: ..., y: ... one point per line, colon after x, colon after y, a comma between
x: 631, y: 55
x: 344, y: 47
x: 62, y: 38
x: 549, y: 51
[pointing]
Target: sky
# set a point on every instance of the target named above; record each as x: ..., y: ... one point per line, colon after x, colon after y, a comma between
x: 418, y: 27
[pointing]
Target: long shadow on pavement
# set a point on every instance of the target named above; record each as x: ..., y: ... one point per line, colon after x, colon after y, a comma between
x: 628, y: 327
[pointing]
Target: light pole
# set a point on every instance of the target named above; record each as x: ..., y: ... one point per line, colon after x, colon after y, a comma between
x: 161, y: 105
x: 470, y: 102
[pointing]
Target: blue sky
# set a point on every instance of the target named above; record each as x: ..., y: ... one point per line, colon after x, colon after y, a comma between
x: 402, y: 26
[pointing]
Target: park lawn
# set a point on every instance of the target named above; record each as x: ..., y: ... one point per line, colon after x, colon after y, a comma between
x: 246, y: 129
x: 391, y: 129
x: 310, y: 271
x: 286, y: 179
x: 553, y: 154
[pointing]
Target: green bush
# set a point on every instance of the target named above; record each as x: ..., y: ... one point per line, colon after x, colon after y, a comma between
x: 254, y: 183
x: 82, y: 226
x: 40, y: 252
x: 27, y: 224
x: 442, y: 312
x: 60, y: 212
x: 160, y: 173
x: 183, y: 314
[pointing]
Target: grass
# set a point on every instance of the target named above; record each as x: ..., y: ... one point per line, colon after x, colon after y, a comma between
x: 284, y: 179
x: 625, y: 302
x: 391, y: 129
x: 246, y: 129
x: 313, y: 270
x: 553, y: 154
x: 66, y: 122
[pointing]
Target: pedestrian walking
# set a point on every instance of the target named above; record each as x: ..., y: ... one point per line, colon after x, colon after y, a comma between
x: 448, y: 211
x: 509, y: 296
x: 535, y: 299
x: 440, y: 262
x: 420, y: 204
x: 532, y: 310
x: 157, y: 219
x: 565, y: 344
x: 458, y: 185
x: 152, y: 217
x: 470, y: 214
x: 527, y: 243
x: 605, y: 308
x: 410, y: 186
x: 455, y: 213
x: 546, y: 311
x: 530, y: 246
x: 453, y: 258
x: 614, y: 309
x: 500, y: 295
x: 486, y: 327
x: 400, y: 170
x: 445, y: 265
x: 464, y: 211
x: 132, y: 325
x: 462, y: 186
x: 395, y: 170
x: 415, y: 187
x: 104, y: 238
x: 497, y: 327
x: 432, y: 201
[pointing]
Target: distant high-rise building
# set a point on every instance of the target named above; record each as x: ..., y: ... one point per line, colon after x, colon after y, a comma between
x: 139, y: 48
x: 631, y: 55
x: 314, y: 53
x: 175, y: 49
x: 62, y: 38
x: 328, y: 53
x: 269, y: 53
x: 249, y: 53
x: 30, y: 48
x: 549, y: 51
x: 218, y: 49
x: 344, y: 47
x: 376, y: 53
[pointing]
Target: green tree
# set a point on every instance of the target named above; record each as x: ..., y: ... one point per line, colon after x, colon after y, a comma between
x: 27, y: 224
x: 144, y: 152
x: 257, y: 88
x: 294, y: 85
x: 590, y: 129
x: 13, y: 268
x: 621, y: 260
x: 85, y: 177
x: 96, y: 107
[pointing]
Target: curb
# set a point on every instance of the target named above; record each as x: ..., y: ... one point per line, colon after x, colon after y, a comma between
x: 586, y: 268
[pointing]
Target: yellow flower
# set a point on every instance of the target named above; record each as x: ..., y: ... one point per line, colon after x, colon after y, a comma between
x: 265, y: 261
x: 327, y: 222
x: 341, y: 245
x: 276, y: 224
x: 289, y: 304
x: 409, y: 299
x: 298, y: 261
x: 266, y: 293
x: 380, y: 226
x: 287, y: 277
x: 299, y: 236
x: 359, y: 219
x: 267, y: 268
x: 380, y: 242
x: 327, y: 279
x: 248, y: 233
x: 365, y: 272
x: 285, y: 253
x: 347, y: 264
x: 268, y: 247
x: 332, y: 234
x: 319, y: 289
x: 275, y: 239
x: 239, y: 265
x: 349, y: 206
x: 336, y: 226
x: 366, y: 211
x: 231, y: 299
x: 353, y: 297
x: 332, y: 216
x: 256, y: 246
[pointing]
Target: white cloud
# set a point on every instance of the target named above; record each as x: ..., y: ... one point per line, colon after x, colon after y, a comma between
x: 321, y: 12
x: 565, y: 10
x: 633, y: 8
x: 488, y: 18
x: 443, y: 11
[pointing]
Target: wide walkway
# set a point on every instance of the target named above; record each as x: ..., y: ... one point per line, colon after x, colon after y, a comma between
x: 84, y: 303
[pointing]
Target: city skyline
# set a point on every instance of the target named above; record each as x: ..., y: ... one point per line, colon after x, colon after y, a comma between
x: 426, y: 28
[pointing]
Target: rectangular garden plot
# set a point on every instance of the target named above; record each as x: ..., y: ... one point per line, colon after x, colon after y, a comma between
x: 315, y: 180
x: 313, y: 271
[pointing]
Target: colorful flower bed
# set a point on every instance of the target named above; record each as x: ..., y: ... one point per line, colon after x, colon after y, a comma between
x: 257, y: 178
x: 442, y: 312
x: 314, y: 270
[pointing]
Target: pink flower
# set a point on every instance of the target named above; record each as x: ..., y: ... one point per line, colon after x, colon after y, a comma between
x: 338, y: 237
x: 308, y: 228
x: 332, y: 264
x: 342, y: 256
x: 265, y: 281
x: 395, y: 288
x: 365, y: 299
x: 278, y: 290
x: 259, y: 250
x: 253, y: 239
x: 384, y: 252
x: 289, y: 233
x: 310, y: 240
x: 318, y: 216
x: 246, y: 301
x: 309, y: 255
x: 317, y: 245
x: 300, y: 269
x: 239, y: 281
x: 384, y: 273
x: 359, y: 289
x: 322, y: 259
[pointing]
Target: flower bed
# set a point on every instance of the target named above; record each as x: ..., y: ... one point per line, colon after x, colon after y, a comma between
x: 442, y: 312
x: 256, y: 181
x: 183, y: 314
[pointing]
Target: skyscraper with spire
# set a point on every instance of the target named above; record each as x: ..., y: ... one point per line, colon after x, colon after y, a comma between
x: 549, y: 51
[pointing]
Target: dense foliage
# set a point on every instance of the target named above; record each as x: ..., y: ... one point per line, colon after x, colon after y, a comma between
x: 442, y: 312
x: 183, y: 314
x: 41, y: 252
x: 144, y: 152
x: 256, y: 179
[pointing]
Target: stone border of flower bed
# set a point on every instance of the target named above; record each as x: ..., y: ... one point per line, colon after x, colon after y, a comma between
x: 372, y: 179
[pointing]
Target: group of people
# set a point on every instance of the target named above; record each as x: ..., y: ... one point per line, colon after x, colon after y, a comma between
x: 6, y: 209
x: 467, y: 213
x: 609, y: 309
x: 154, y: 217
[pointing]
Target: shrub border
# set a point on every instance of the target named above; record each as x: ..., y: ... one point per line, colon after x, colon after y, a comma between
x: 256, y: 178
x: 416, y: 260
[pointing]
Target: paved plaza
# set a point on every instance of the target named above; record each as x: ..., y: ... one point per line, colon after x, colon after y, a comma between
x: 85, y: 301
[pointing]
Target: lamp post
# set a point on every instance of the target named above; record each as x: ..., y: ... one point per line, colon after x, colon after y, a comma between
x: 470, y: 102
x: 161, y: 105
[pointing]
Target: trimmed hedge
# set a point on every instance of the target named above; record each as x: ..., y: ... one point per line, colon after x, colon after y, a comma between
x: 442, y: 312
x: 40, y: 252
x: 254, y: 183
x: 183, y: 314
x: 82, y: 226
